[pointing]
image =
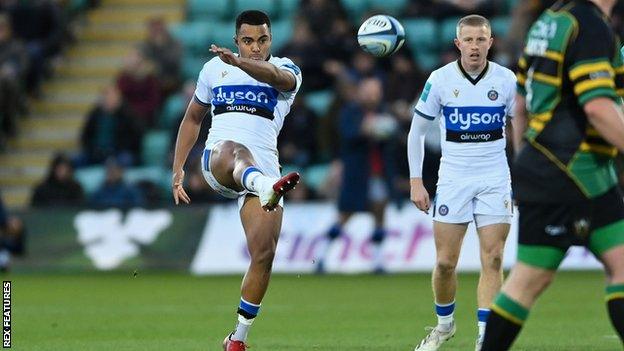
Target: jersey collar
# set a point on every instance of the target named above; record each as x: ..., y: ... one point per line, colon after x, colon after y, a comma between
x: 474, y: 81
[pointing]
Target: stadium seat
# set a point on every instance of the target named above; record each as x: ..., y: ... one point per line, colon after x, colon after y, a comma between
x: 500, y: 26
x: 282, y: 32
x: 268, y: 6
x: 319, y: 101
x: 191, y: 65
x: 509, y: 6
x: 171, y: 111
x: 315, y: 175
x: 288, y: 9
x: 420, y: 33
x: 208, y: 9
x: 448, y: 31
x: 355, y: 9
x: 194, y: 36
x: 392, y: 7
x: 223, y: 34
x: 152, y: 173
x: 90, y: 178
x: 427, y: 60
x: 156, y: 146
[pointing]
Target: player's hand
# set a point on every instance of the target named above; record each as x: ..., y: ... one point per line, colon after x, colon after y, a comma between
x: 226, y: 55
x: 419, y: 195
x: 178, y: 190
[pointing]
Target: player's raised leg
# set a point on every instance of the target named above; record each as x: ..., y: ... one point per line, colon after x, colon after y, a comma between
x: 492, y: 244
x: 233, y: 166
x: 448, y: 240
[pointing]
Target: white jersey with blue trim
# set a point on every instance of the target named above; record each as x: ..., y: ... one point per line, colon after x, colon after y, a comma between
x: 472, y: 115
x: 244, y: 109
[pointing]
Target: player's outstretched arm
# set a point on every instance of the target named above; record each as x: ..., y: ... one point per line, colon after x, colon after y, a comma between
x: 519, y: 123
x: 607, y: 117
x: 263, y: 71
x: 187, y: 136
x: 415, y: 156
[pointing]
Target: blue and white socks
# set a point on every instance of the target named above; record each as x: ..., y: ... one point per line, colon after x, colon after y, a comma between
x: 247, y: 312
x: 482, y: 316
x: 254, y: 181
x: 445, y: 314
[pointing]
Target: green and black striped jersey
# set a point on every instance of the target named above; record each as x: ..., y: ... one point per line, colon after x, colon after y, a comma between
x: 571, y: 57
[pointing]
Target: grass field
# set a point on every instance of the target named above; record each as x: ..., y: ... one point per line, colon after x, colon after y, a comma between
x: 182, y: 312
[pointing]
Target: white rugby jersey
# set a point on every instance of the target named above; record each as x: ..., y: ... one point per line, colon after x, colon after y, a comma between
x: 472, y: 115
x: 243, y: 109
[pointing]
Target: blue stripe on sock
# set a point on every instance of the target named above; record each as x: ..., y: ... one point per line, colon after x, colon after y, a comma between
x: 445, y: 310
x: 246, y: 173
x: 483, y: 314
x: 249, y: 308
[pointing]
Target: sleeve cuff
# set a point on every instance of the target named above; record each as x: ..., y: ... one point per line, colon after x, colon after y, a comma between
x: 431, y: 118
x: 205, y: 104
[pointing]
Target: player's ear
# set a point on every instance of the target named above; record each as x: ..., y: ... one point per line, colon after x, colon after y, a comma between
x: 235, y: 40
x: 456, y: 42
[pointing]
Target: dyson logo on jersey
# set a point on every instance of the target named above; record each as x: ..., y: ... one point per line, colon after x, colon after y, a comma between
x: 251, y: 99
x: 474, y: 118
x: 474, y: 124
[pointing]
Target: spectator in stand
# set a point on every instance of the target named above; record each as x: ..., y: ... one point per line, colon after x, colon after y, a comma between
x: 114, y: 192
x: 12, y: 237
x: 111, y: 130
x: 306, y: 51
x: 188, y: 92
x: 40, y: 25
x: 59, y: 188
x: 166, y: 53
x: 297, y: 140
x: 140, y: 87
x: 13, y: 68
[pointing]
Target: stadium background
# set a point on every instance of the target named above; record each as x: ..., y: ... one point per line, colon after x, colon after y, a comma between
x: 82, y: 193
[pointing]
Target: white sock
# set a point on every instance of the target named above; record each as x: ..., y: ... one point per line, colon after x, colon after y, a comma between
x: 377, y: 256
x: 445, y: 323
x: 254, y: 181
x: 481, y: 326
x: 242, y: 328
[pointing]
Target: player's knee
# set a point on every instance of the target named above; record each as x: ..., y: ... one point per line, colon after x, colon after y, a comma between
x: 445, y: 267
x: 493, y: 260
x: 263, y: 256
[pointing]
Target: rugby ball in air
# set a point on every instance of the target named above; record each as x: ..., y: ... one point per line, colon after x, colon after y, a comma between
x: 381, y: 35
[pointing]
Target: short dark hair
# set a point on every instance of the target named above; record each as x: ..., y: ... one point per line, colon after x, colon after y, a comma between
x: 253, y: 17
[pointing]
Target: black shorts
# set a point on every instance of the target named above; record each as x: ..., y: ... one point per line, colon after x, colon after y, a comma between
x: 547, y: 230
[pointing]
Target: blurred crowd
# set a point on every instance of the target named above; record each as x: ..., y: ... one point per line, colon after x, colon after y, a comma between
x: 366, y: 112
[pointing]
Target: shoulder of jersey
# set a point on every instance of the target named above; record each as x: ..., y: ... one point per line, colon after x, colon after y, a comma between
x: 502, y: 70
x: 441, y: 71
x: 213, y: 61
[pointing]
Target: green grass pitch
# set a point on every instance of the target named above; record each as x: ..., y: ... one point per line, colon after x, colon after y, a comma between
x: 167, y: 311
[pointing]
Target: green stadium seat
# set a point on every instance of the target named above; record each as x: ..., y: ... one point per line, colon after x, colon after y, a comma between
x: 288, y: 9
x: 267, y: 6
x: 420, y: 33
x: 223, y: 34
x: 315, y: 175
x: 208, y: 9
x: 171, y: 111
x: 448, y: 31
x: 152, y: 173
x: 194, y: 36
x: 156, y: 146
x: 355, y: 9
x: 392, y: 7
x: 282, y: 32
x: 509, y: 6
x: 319, y: 101
x: 500, y: 26
x: 191, y: 65
x: 427, y: 60
x: 90, y: 178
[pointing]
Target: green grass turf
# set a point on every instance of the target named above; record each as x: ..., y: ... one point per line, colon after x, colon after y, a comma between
x: 161, y: 311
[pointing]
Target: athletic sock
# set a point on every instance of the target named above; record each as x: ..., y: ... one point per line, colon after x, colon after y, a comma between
x: 482, y: 317
x: 253, y: 180
x: 615, y: 304
x: 504, y: 323
x: 247, y: 312
x: 445, y: 313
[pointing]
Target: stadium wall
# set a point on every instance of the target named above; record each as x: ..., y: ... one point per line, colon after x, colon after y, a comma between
x: 210, y: 240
